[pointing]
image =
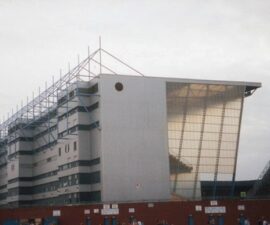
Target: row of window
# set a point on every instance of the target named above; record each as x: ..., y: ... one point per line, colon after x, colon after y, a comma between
x: 67, y: 148
x: 91, y: 90
x: 69, y: 131
x: 37, y: 122
x: 16, y: 127
x: 45, y: 118
x: 74, y: 179
x: 25, y: 139
x: 68, y: 180
x: 44, y: 161
x: 79, y: 109
x: 52, y: 128
x: 53, y: 173
x: 3, y: 196
x: 71, y: 198
x: 46, y: 146
x: 52, y: 186
x: 81, y: 127
x: 92, y: 162
x: 81, y: 178
x: 3, y: 187
x: 45, y: 175
x: 3, y: 165
x: 80, y: 91
x: 29, y: 139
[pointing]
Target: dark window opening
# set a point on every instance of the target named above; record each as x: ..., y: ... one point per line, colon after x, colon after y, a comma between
x: 67, y: 148
x: 119, y: 86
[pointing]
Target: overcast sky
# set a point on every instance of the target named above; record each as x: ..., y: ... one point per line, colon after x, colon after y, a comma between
x: 206, y: 39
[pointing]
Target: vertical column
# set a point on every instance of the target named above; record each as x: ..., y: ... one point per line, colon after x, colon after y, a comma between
x: 242, y: 91
x: 89, y: 65
x: 200, y: 142
x: 181, y: 139
x: 100, y: 64
x: 67, y: 94
x: 219, y: 141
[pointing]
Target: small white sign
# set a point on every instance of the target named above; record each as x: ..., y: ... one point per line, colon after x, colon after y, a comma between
x: 198, y: 208
x: 114, y: 206
x: 131, y: 210
x: 212, y: 203
x: 106, y: 206
x: 96, y: 210
x: 87, y: 211
x: 109, y: 211
x: 56, y: 213
x: 150, y: 205
x: 215, y: 209
x: 241, y: 207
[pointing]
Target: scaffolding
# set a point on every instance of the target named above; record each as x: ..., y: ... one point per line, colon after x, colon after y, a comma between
x: 42, y: 107
x: 39, y: 118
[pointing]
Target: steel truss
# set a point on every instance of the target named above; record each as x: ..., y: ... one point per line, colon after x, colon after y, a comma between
x: 40, y: 111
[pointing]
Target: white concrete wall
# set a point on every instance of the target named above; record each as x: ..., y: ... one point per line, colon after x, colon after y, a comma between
x: 134, y: 145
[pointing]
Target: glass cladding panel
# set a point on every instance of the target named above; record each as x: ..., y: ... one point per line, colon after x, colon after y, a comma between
x: 193, y: 127
x: 194, y: 119
x: 227, y: 153
x: 188, y: 135
x: 213, y: 128
x: 212, y: 119
x: 189, y: 152
x: 203, y: 125
x: 208, y: 161
x: 229, y: 137
x: 209, y: 144
x: 192, y: 160
x: 225, y: 177
x: 174, y: 126
x: 232, y: 112
x: 210, y: 136
x: 174, y: 144
x: 207, y: 168
x: 231, y: 120
x: 225, y: 169
x: 228, y: 145
x: 174, y: 134
x: 195, y: 105
x: 232, y: 129
x: 190, y: 143
x: 226, y: 161
x: 176, y: 118
x: 211, y: 111
x: 208, y: 153
x: 236, y: 104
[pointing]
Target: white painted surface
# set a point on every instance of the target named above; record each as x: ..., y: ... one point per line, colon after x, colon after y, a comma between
x: 134, y: 148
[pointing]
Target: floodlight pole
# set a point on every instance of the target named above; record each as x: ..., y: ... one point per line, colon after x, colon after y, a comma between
x: 100, y: 67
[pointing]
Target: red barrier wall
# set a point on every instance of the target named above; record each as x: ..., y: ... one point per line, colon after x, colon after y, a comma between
x: 175, y: 213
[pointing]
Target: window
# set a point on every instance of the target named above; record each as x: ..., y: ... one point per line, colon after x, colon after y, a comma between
x: 93, y: 89
x: 71, y: 94
x: 119, y: 86
x: 59, y: 151
x: 67, y: 148
x: 74, y: 145
x: 12, y: 167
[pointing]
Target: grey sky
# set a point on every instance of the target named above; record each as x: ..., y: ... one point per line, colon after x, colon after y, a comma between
x: 206, y: 39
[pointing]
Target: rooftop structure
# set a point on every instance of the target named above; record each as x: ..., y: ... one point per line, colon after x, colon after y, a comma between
x: 97, y: 136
